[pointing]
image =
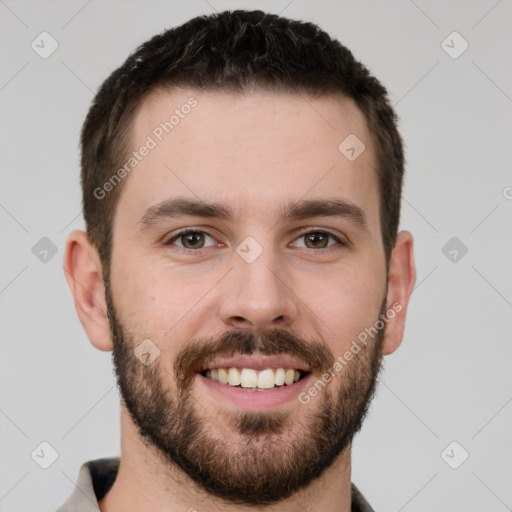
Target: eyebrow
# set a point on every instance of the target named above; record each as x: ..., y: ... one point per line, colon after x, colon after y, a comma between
x: 301, y: 210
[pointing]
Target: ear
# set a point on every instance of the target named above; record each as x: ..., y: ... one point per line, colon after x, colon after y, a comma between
x: 83, y: 271
x: 401, y: 279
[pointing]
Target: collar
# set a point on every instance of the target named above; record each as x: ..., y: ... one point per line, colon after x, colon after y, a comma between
x: 96, y: 478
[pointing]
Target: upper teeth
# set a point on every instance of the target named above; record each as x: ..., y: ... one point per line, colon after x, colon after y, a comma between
x: 250, y: 378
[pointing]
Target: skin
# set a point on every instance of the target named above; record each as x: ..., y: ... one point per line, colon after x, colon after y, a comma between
x: 254, y: 153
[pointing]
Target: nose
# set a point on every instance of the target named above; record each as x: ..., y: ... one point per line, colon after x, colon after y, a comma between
x: 257, y: 296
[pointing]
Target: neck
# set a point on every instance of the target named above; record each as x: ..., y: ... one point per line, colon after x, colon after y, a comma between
x: 145, y: 482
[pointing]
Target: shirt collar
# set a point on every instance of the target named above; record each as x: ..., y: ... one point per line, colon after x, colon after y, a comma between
x: 96, y: 477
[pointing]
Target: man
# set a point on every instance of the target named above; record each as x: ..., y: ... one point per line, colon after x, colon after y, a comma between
x: 241, y: 180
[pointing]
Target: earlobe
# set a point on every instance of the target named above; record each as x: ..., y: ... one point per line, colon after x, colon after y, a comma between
x: 83, y: 272
x: 401, y: 279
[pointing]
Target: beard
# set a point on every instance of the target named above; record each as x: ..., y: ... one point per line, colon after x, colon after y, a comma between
x: 249, y: 457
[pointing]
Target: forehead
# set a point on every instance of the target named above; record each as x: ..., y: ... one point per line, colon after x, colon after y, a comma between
x: 254, y: 150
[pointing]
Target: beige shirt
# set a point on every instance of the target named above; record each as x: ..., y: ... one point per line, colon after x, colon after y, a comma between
x: 96, y: 477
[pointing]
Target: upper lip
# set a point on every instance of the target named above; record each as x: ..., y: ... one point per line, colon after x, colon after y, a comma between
x: 258, y: 362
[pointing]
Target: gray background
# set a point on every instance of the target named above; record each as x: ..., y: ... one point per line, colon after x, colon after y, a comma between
x: 450, y: 379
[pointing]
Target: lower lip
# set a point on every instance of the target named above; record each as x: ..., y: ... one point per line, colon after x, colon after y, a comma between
x: 251, y: 400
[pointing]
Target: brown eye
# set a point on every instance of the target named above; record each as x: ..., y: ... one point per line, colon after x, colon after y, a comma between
x: 317, y: 240
x: 193, y: 240
x: 189, y: 240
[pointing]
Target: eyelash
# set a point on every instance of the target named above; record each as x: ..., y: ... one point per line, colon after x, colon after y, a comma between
x: 199, y: 251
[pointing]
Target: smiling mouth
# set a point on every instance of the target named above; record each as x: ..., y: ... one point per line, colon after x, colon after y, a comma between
x: 254, y: 380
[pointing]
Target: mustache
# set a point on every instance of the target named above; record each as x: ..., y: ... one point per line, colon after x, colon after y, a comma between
x: 201, y: 352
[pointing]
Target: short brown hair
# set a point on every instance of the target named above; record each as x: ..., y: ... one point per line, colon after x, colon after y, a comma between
x: 232, y: 52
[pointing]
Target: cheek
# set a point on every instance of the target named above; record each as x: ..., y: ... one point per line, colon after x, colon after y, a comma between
x: 349, y: 303
x: 142, y: 299
x: 157, y: 302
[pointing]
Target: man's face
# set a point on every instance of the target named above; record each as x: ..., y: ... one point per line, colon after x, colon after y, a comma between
x: 283, y: 291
